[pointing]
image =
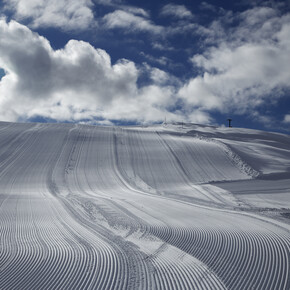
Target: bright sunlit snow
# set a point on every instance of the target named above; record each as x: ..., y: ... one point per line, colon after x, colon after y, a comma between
x: 172, y: 206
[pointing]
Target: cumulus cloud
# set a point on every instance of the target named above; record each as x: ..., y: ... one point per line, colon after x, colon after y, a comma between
x: 176, y: 11
x: 131, y: 21
x: 64, y: 14
x: 75, y: 83
x: 243, y: 65
x: 246, y: 68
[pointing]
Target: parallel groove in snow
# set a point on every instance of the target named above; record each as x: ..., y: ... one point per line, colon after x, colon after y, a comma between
x: 89, y: 207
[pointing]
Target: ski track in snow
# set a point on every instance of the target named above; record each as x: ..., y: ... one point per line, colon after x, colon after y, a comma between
x: 85, y: 207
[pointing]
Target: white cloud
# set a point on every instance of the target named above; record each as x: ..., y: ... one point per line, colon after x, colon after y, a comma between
x: 207, y: 6
x: 75, y: 83
x: 63, y: 14
x: 134, y: 20
x: 241, y: 73
x: 120, y: 5
x: 257, y: 16
x: 135, y: 10
x: 162, y: 46
x: 131, y: 22
x: 287, y: 118
x: 159, y: 76
x: 159, y: 60
x: 199, y: 116
x: 176, y: 11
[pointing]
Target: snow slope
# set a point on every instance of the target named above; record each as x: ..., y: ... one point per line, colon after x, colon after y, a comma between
x: 160, y: 207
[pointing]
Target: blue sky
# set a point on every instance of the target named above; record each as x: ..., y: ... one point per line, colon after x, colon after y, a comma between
x: 136, y: 62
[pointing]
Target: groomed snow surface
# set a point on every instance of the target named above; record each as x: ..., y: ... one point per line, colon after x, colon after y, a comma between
x: 176, y: 206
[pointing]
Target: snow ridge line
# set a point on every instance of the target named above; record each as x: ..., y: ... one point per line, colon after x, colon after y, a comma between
x: 234, y: 157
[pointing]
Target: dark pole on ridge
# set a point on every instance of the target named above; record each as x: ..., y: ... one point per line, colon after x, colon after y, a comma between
x: 230, y: 120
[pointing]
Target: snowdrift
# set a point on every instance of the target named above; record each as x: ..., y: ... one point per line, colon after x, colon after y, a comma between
x: 158, y: 207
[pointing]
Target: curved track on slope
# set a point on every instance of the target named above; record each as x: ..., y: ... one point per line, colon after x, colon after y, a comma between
x: 109, y: 208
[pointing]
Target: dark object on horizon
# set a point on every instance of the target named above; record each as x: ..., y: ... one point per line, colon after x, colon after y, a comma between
x: 230, y: 125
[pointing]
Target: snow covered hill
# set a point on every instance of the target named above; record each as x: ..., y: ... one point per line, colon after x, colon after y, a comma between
x: 159, y: 207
